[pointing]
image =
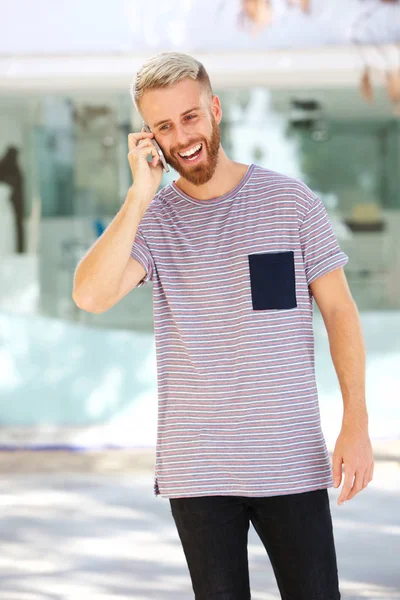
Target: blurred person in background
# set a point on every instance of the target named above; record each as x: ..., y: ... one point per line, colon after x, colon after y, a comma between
x: 236, y: 254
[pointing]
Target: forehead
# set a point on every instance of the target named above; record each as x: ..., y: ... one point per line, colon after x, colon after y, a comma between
x: 170, y: 102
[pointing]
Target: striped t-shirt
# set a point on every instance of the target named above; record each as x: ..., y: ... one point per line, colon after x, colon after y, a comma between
x: 238, y: 410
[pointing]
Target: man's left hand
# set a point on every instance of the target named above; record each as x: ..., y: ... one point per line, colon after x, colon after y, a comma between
x: 353, y: 448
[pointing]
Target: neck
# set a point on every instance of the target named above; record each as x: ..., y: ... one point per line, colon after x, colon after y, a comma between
x: 227, y: 175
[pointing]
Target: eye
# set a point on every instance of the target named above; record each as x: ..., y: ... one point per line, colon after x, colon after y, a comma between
x: 190, y: 116
x: 163, y: 127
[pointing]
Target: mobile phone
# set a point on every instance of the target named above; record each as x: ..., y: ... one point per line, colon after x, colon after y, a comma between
x: 160, y: 152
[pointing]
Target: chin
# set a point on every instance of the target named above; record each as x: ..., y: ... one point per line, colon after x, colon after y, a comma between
x: 198, y: 174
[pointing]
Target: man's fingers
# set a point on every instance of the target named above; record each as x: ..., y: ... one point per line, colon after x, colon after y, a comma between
x: 368, y: 476
x: 134, y: 138
x: 155, y: 158
x: 143, y: 150
x: 348, y: 480
x: 337, y: 469
x: 142, y: 146
x: 147, y: 149
x: 358, y: 484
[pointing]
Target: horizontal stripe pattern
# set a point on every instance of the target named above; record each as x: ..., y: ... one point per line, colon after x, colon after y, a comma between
x: 238, y: 409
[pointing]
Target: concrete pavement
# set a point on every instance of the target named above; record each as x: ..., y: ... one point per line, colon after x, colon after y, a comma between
x: 103, y: 535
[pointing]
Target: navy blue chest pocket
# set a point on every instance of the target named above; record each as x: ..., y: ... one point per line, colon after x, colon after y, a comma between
x: 272, y: 280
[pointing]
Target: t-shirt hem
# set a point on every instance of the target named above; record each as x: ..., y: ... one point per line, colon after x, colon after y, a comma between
x: 248, y: 494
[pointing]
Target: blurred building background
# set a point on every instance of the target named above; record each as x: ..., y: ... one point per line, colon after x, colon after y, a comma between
x: 310, y: 89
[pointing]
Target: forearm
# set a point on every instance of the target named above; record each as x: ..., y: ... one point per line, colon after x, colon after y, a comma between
x: 349, y: 358
x: 99, y: 273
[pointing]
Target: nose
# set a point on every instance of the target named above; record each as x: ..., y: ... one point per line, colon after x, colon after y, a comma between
x: 183, y: 138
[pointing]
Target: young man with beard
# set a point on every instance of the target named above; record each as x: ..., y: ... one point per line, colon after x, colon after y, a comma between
x: 236, y: 253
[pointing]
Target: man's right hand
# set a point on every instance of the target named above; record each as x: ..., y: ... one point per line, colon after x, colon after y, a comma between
x: 146, y: 175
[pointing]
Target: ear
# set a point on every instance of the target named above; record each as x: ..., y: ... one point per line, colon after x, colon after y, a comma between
x: 216, y: 108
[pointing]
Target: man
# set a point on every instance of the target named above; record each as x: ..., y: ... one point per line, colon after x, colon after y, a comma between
x: 236, y: 253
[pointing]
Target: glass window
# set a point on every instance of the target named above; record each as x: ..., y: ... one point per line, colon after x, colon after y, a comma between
x: 64, y: 174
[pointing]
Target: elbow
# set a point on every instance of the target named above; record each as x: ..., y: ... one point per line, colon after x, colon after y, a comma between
x: 86, y: 303
x: 81, y: 302
x: 89, y: 302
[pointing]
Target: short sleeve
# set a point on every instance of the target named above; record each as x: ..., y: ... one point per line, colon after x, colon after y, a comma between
x: 140, y: 251
x: 319, y: 246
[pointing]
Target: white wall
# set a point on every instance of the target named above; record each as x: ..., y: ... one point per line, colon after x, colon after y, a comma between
x: 63, y: 382
x: 73, y: 382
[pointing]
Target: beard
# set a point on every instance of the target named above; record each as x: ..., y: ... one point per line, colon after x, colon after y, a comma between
x: 199, y: 174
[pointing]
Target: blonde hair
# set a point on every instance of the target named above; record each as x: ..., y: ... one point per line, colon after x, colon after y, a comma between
x: 166, y: 69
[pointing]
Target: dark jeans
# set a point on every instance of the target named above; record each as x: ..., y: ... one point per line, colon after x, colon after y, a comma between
x: 295, y: 529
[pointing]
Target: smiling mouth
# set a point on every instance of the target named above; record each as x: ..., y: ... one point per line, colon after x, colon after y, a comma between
x: 193, y: 153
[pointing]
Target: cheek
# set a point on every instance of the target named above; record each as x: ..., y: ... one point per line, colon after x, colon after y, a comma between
x: 170, y: 149
x: 195, y: 132
x: 164, y: 145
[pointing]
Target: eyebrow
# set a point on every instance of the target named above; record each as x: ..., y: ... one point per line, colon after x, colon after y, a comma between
x: 182, y: 115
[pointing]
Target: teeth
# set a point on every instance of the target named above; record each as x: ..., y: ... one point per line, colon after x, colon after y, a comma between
x: 191, y: 151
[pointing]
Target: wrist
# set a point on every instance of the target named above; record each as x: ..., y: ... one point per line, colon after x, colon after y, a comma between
x: 357, y: 419
x: 137, y: 197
